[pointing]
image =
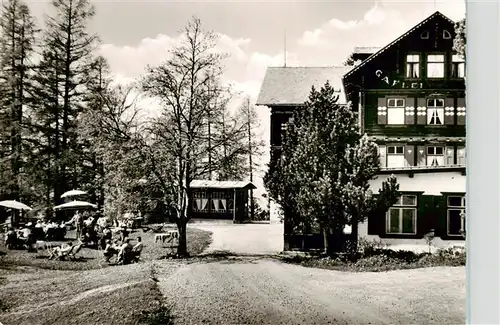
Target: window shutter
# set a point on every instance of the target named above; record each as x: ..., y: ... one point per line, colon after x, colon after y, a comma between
x: 449, y: 156
x: 425, y: 211
x: 409, y: 156
x: 421, y: 156
x: 382, y: 111
x: 438, y: 222
x: 421, y: 111
x: 382, y: 151
x: 461, y: 111
x: 410, y: 111
x: 375, y: 222
x: 449, y: 111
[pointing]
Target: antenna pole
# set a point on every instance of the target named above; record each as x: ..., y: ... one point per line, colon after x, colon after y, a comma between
x: 285, y: 51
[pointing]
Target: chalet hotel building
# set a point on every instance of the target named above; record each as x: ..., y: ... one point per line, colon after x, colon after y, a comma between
x: 410, y: 100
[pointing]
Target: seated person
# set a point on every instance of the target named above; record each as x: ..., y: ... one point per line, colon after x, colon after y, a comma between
x: 106, y: 234
x: 109, y: 250
x: 28, y: 237
x: 10, y: 238
x: 25, y: 232
x: 137, y: 249
x: 61, y: 251
x: 124, y: 253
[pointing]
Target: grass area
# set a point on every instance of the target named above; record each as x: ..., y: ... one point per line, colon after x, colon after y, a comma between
x: 89, y: 259
x: 381, y: 260
x: 120, y: 295
x: 35, y: 290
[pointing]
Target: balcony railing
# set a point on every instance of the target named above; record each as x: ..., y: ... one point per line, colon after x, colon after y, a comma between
x: 457, y: 166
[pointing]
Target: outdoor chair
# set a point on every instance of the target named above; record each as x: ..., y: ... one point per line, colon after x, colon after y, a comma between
x: 60, y: 254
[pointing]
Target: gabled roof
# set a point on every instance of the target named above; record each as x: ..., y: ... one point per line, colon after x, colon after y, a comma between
x: 396, y: 41
x: 201, y: 183
x: 292, y: 85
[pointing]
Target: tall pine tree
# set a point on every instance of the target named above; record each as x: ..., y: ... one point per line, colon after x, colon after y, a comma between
x: 63, y: 77
x: 17, y: 40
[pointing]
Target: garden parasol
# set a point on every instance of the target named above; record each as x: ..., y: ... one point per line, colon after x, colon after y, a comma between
x: 73, y: 193
x: 14, y: 205
x: 75, y: 205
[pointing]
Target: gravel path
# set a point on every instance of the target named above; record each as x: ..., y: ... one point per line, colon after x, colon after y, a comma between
x: 244, y: 238
x: 262, y: 291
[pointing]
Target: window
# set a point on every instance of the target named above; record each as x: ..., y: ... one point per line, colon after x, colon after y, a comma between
x: 395, y: 111
x: 424, y: 35
x: 456, y: 215
x: 461, y: 156
x: 457, y: 67
x: 435, y: 156
x: 395, y: 156
x: 435, y: 111
x: 412, y: 66
x: 200, y: 205
x: 435, y: 66
x: 402, y: 216
x: 219, y: 203
x: 446, y: 34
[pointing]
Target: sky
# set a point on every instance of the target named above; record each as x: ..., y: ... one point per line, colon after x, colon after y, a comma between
x: 318, y: 33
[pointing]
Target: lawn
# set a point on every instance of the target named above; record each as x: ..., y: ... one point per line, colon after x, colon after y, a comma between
x: 35, y: 290
x: 89, y: 259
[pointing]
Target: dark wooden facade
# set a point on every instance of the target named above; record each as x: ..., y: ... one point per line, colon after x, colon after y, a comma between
x: 413, y: 106
x: 411, y: 100
x: 221, y: 200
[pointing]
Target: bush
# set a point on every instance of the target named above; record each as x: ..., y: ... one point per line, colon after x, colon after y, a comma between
x: 376, y: 257
x: 453, y: 256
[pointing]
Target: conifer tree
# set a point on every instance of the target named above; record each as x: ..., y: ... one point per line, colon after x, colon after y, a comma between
x: 17, y: 40
x: 322, y: 176
x: 63, y: 76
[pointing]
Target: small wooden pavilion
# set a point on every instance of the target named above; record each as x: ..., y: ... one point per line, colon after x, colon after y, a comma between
x: 221, y: 199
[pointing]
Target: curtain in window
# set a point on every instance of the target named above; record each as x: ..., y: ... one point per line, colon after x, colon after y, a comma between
x: 204, y: 204
x: 435, y: 116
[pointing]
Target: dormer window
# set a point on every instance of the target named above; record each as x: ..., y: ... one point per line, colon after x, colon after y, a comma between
x: 412, y: 66
x: 446, y: 34
x: 457, y: 66
x: 435, y: 66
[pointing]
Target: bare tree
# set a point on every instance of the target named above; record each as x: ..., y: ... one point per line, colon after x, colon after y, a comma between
x: 188, y: 84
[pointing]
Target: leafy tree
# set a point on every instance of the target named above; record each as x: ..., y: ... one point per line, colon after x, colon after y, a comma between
x: 349, y: 62
x: 110, y: 124
x: 325, y: 168
x: 460, y: 41
x: 17, y: 41
x: 187, y: 84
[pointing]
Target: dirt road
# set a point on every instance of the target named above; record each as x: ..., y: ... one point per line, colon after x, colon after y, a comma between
x: 253, y: 239
x: 262, y: 291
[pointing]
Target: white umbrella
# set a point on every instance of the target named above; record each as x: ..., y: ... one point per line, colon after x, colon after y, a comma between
x: 14, y: 205
x: 75, y: 205
x: 73, y: 193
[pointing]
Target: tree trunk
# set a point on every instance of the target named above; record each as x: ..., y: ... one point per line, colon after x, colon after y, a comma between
x: 326, y: 241
x: 354, y: 234
x: 182, y: 248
